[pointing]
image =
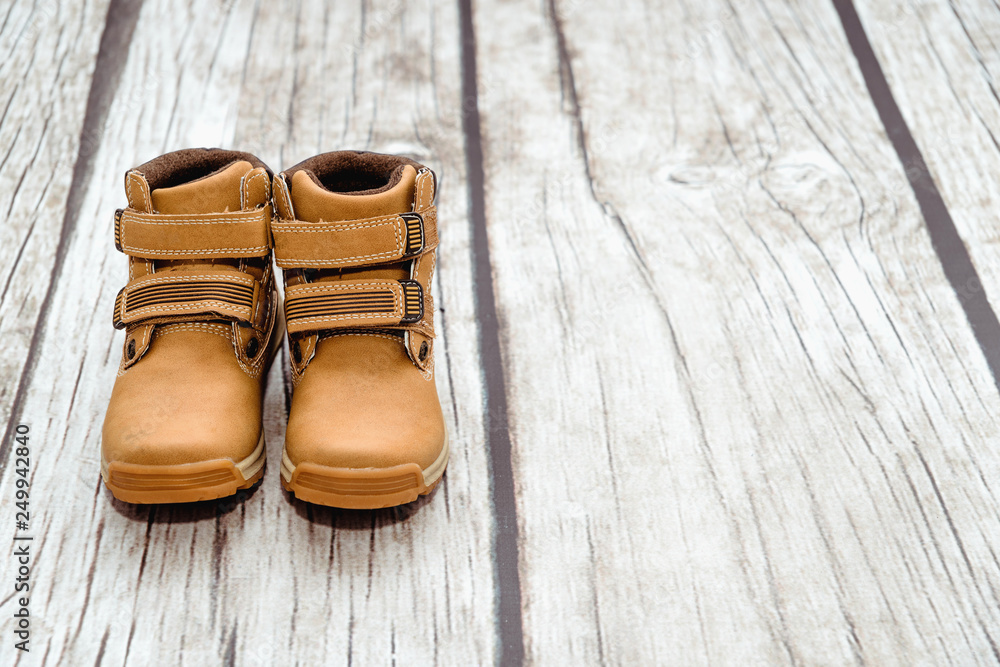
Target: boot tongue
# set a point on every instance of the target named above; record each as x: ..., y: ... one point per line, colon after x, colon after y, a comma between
x: 314, y: 203
x: 216, y: 193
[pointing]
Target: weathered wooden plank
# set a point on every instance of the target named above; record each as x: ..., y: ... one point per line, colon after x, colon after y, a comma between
x: 48, y: 59
x: 750, y: 422
x: 262, y: 580
x: 941, y: 62
x: 506, y: 551
x: 384, y: 76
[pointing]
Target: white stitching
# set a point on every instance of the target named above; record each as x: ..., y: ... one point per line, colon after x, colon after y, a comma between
x: 397, y: 228
x: 147, y: 336
x: 311, y: 341
x: 193, y: 306
x: 252, y: 179
x: 429, y: 312
x: 282, y: 227
x: 147, y: 195
x: 133, y: 178
x: 429, y: 373
x: 208, y: 221
x: 168, y: 219
x: 171, y: 328
x: 256, y: 303
x: 334, y: 334
x: 237, y: 343
x: 293, y: 262
x: 324, y: 287
x: 132, y: 218
x: 141, y: 347
x: 394, y: 289
x: 303, y: 225
x: 334, y: 318
x: 159, y: 252
x: 426, y: 179
x: 283, y: 189
x: 201, y: 325
x: 257, y: 365
x: 248, y: 280
x: 130, y: 181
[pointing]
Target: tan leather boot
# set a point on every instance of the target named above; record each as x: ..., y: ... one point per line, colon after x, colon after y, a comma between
x: 199, y: 313
x: 356, y: 239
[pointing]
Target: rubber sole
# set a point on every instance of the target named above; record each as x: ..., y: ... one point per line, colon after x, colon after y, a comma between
x: 190, y: 482
x: 183, y: 483
x: 361, y: 488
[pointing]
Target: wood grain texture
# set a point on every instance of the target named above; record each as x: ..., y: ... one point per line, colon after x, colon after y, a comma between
x: 260, y: 579
x: 941, y: 61
x: 49, y: 50
x: 750, y: 423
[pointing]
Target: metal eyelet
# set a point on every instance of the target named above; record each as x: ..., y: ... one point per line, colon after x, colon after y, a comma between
x: 253, y: 347
x: 296, y: 352
x: 424, y: 349
x: 130, y: 350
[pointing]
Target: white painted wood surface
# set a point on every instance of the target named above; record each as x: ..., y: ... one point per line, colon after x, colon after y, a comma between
x: 48, y: 58
x: 742, y: 391
x: 262, y: 580
x: 750, y: 422
x: 942, y: 62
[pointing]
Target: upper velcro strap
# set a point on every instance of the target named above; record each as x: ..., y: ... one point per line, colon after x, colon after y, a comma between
x: 193, y: 235
x: 353, y: 303
x: 331, y: 245
x: 231, y: 296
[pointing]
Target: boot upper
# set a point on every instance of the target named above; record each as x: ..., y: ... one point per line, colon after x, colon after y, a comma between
x: 198, y: 311
x: 355, y: 234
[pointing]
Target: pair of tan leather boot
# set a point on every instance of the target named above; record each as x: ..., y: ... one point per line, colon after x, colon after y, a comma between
x: 355, y: 235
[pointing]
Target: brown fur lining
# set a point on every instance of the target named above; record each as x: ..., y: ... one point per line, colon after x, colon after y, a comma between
x: 354, y: 172
x: 191, y: 164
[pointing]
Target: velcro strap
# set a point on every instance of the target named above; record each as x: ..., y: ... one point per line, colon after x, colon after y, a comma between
x: 330, y: 245
x: 353, y: 303
x: 193, y: 235
x: 169, y: 295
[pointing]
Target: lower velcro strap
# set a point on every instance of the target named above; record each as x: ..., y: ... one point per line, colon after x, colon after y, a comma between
x: 352, y: 304
x: 175, y: 294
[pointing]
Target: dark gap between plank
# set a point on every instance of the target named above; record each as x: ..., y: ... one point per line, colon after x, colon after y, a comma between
x: 947, y: 243
x: 507, y: 580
